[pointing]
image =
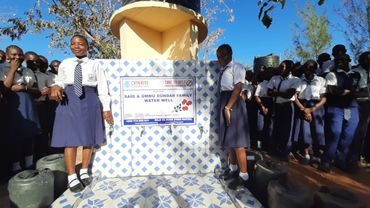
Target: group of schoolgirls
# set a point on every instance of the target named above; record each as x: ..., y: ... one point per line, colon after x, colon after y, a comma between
x: 80, y: 90
x: 26, y: 110
x: 319, y: 110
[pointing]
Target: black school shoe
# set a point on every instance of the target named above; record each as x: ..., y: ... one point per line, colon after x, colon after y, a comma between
x: 228, y: 174
x: 76, y: 188
x: 86, y: 181
x: 236, y: 182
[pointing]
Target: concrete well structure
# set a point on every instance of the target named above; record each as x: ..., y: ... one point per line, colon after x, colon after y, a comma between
x: 159, y: 30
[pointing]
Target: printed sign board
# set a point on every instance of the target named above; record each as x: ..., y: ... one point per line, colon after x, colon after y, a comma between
x: 158, y: 100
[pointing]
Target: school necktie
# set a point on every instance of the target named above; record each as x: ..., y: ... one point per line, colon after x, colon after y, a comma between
x: 78, y: 79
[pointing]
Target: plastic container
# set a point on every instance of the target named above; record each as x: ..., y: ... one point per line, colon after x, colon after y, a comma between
x: 289, y: 194
x: 31, y: 189
x: 252, y: 158
x: 328, y: 197
x: 56, y: 164
x: 266, y: 171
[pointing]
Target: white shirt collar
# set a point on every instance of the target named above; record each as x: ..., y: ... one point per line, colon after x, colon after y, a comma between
x: 84, y: 59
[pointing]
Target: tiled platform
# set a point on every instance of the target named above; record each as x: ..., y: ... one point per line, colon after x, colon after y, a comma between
x: 191, y: 190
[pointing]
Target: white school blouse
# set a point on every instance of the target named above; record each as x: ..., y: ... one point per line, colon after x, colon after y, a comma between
x: 311, y: 90
x: 233, y: 74
x: 261, y: 90
x: 289, y: 82
x: 23, y: 75
x: 93, y: 75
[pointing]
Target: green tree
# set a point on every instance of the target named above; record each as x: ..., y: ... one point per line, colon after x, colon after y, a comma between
x: 356, y: 15
x: 312, y: 38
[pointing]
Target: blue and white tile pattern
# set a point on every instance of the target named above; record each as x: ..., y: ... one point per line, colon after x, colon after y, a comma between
x: 170, y: 191
x: 158, y: 150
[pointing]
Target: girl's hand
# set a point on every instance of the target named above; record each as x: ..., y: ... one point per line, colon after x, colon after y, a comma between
x: 45, y: 91
x: 107, y: 115
x: 18, y: 88
x: 308, y: 117
x: 227, y: 112
x: 15, y: 64
x: 56, y: 93
x: 265, y: 110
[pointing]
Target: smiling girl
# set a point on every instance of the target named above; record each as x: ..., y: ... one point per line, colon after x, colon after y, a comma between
x: 82, y: 91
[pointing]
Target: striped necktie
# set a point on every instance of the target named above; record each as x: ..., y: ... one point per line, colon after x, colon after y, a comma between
x: 78, y: 79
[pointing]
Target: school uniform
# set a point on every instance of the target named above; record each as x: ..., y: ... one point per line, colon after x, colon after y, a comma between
x: 252, y: 110
x: 310, y: 134
x: 78, y: 120
x: 326, y: 67
x: 283, y: 114
x: 264, y: 122
x: 237, y: 134
x: 51, y: 105
x: 342, y: 118
x: 41, y: 103
x: 357, y: 147
x: 23, y: 122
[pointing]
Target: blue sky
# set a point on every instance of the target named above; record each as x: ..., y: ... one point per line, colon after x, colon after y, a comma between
x: 246, y: 34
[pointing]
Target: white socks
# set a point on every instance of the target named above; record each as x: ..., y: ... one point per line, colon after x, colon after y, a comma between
x: 233, y: 167
x: 83, y: 173
x: 73, y: 180
x: 28, y: 161
x: 244, y: 176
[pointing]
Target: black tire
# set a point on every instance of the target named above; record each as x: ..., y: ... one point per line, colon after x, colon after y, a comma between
x: 289, y: 194
x: 266, y: 171
x: 329, y: 197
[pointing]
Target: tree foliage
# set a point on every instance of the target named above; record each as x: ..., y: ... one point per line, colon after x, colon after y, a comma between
x: 267, y: 6
x: 313, y: 38
x: 66, y: 18
x: 63, y: 18
x: 356, y: 15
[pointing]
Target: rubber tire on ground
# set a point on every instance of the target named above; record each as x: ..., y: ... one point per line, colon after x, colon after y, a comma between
x: 266, y: 171
x: 289, y: 194
x: 329, y: 197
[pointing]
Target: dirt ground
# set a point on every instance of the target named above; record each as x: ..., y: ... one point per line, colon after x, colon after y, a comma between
x: 358, y: 183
